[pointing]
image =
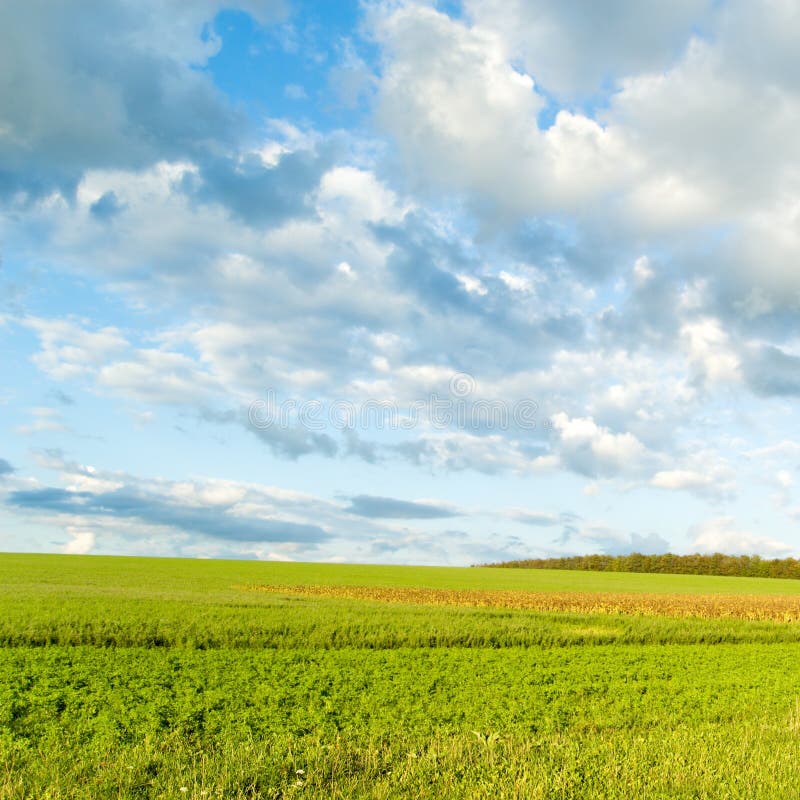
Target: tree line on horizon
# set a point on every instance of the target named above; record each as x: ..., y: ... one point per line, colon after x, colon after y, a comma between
x: 695, y: 564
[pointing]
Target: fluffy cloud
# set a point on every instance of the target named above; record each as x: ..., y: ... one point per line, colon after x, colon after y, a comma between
x: 80, y: 542
x: 69, y: 350
x: 467, y: 120
x: 45, y: 420
x: 712, y: 483
x: 668, y: 156
x: 722, y: 535
x: 591, y: 450
x: 709, y: 354
x: 575, y: 49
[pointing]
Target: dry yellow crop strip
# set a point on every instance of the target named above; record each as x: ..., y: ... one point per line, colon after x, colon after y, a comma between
x: 752, y: 607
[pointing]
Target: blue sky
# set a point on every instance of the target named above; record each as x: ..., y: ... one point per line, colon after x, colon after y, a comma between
x: 555, y: 244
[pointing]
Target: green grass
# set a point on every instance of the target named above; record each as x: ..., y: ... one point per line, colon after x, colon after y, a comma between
x: 136, y: 678
x: 85, y: 722
x: 136, y: 577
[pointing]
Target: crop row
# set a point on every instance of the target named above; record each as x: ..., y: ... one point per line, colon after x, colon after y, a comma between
x: 780, y: 608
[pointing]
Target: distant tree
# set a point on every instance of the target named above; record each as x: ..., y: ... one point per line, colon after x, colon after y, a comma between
x: 694, y: 564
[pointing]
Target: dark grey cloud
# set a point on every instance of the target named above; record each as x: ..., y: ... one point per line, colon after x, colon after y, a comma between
x: 153, y: 510
x: 649, y: 314
x: 83, y: 86
x: 752, y: 296
x: 286, y: 441
x: 456, y: 455
x: 495, y: 330
x: 296, y: 441
x: 566, y: 520
x: 534, y: 518
x: 107, y: 84
x: 583, y: 247
x: 544, y: 519
x: 364, y: 505
x: 61, y: 396
x: 769, y: 371
x: 106, y: 207
x: 50, y: 499
x: 423, y: 262
x: 583, y: 459
x: 360, y: 447
x: 416, y: 452
x: 5, y: 468
x: 258, y: 194
x: 581, y: 48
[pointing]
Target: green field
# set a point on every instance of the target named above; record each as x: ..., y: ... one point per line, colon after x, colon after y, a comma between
x: 141, y: 678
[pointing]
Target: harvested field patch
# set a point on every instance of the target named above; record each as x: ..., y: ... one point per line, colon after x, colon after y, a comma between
x: 777, y: 608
